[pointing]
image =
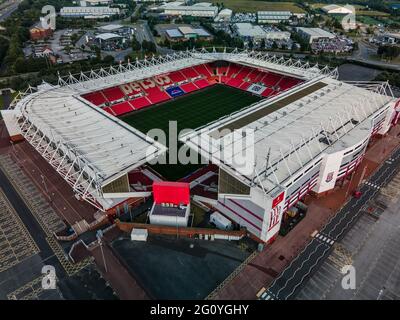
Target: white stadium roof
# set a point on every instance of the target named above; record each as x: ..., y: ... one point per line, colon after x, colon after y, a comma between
x: 292, y: 129
x: 100, y: 148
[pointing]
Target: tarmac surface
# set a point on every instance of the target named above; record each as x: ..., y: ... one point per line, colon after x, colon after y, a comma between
x: 261, y: 271
x: 21, y: 275
x: 372, y: 247
x: 182, y: 268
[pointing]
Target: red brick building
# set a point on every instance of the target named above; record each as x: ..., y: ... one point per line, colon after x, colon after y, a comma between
x: 37, y: 33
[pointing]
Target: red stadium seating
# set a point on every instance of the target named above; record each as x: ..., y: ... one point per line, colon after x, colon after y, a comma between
x: 109, y: 110
x: 155, y: 95
x: 253, y: 75
x: 210, y: 70
x: 232, y: 70
x: 271, y: 79
x: 96, y: 98
x: 245, y: 85
x: 122, y: 108
x: 203, y: 70
x: 287, y: 83
x: 224, y: 79
x: 189, y: 87
x: 189, y: 73
x: 259, y: 76
x: 177, y: 76
x: 140, y: 103
x: 202, y: 83
x: 243, y: 73
x: 139, y: 178
x: 113, y: 93
x: 237, y: 76
x: 234, y: 82
x: 268, y: 92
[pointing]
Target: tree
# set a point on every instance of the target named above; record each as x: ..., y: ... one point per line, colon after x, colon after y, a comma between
x: 108, y: 60
x: 389, y: 51
x: 136, y: 46
x: 149, y: 46
x: 262, y: 44
x: 98, y: 53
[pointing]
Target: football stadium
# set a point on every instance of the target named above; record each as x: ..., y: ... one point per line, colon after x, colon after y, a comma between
x: 302, y: 131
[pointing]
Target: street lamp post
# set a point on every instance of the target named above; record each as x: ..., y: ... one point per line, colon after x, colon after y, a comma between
x: 99, y: 236
x: 45, y: 185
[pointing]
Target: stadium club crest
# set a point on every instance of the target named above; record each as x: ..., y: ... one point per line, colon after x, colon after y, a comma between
x: 329, y: 177
x: 276, y: 210
x: 175, y: 91
x: 274, y: 217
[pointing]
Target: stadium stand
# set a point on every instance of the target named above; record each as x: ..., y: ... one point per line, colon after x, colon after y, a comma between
x: 203, y: 70
x: 113, y: 94
x: 202, y: 83
x: 222, y: 70
x: 189, y: 73
x: 109, y: 110
x: 177, y: 76
x: 244, y: 85
x: 199, y: 172
x: 96, y: 98
x: 242, y: 74
x: 271, y: 79
x: 241, y: 77
x: 268, y: 92
x: 189, y: 87
x: 233, y: 69
x: 139, y: 181
x: 233, y: 82
x: 155, y: 95
x: 287, y: 83
x: 122, y: 108
x: 140, y: 103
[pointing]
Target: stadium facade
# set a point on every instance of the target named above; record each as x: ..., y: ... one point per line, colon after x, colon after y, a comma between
x: 305, y: 137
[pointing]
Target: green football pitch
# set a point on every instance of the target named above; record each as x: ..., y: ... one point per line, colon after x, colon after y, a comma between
x: 190, y: 112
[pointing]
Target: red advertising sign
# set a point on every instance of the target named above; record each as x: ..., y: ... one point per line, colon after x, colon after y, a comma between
x: 278, y: 199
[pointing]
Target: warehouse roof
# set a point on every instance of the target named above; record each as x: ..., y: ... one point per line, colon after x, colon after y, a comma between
x: 316, y: 32
x: 108, y: 36
x: 174, y: 33
x: 111, y: 27
x: 249, y: 30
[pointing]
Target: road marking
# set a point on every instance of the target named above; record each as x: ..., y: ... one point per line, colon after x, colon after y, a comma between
x: 373, y: 185
x: 324, y: 238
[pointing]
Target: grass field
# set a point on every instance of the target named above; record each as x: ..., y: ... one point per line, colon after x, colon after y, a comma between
x: 254, y: 6
x: 368, y: 20
x: 190, y: 111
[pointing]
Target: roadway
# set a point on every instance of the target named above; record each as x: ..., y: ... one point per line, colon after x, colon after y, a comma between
x: 363, y: 54
x: 8, y: 8
x: 294, y: 276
